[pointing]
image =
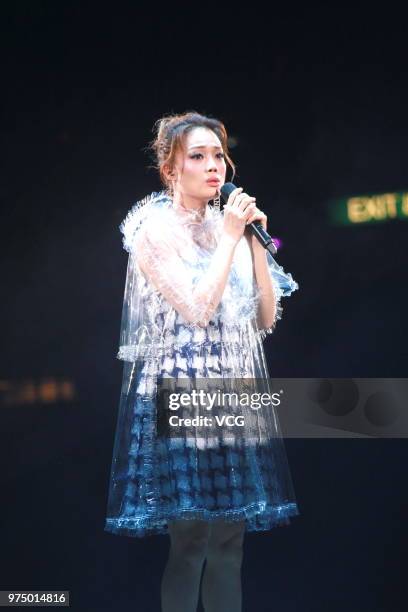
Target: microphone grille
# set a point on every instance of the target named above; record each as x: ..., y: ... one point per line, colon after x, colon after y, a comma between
x: 226, y: 190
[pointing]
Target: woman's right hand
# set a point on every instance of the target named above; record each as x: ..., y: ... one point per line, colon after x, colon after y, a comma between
x: 237, y: 211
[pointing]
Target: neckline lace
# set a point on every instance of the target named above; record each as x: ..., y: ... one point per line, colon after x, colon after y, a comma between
x: 190, y: 215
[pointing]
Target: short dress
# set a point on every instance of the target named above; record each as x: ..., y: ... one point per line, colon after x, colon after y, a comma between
x: 156, y: 478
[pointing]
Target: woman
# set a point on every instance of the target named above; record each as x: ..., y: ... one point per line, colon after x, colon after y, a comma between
x: 201, y: 294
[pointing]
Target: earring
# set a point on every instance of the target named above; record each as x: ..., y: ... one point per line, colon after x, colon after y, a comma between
x: 217, y: 203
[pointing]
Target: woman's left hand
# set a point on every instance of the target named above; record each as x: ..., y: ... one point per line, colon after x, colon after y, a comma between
x: 257, y: 215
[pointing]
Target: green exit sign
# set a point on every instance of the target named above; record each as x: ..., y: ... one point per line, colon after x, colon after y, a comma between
x: 363, y: 209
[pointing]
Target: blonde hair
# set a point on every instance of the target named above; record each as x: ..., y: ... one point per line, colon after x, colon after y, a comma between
x: 170, y: 131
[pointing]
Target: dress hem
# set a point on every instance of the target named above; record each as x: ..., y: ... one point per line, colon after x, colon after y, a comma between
x: 258, y: 517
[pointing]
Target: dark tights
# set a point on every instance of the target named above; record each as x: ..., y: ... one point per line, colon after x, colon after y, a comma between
x: 191, y: 543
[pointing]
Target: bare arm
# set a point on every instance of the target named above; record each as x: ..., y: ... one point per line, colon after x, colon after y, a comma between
x: 267, y: 303
x: 267, y: 309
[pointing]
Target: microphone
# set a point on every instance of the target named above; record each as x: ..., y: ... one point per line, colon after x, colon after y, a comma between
x: 256, y: 226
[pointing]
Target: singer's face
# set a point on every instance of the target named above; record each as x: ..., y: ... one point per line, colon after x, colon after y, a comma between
x: 202, y: 159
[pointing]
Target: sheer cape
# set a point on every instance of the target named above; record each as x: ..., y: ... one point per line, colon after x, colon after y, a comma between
x: 175, y: 245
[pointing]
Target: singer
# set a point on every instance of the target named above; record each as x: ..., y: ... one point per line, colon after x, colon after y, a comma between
x: 201, y: 295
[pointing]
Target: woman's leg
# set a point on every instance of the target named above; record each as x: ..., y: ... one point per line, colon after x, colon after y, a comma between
x: 221, y: 587
x: 181, y: 579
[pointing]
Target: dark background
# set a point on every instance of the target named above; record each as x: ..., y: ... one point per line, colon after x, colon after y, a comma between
x: 316, y: 99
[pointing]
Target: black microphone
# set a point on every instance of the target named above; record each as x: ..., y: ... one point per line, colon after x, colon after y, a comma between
x: 255, y: 227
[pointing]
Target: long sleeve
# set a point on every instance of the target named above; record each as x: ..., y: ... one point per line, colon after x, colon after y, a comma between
x: 194, y: 296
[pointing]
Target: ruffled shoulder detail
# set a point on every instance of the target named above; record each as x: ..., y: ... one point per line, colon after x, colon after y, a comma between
x: 284, y: 285
x: 138, y: 214
x: 283, y: 280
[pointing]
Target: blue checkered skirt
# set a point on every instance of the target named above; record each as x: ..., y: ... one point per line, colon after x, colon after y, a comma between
x: 155, y: 480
